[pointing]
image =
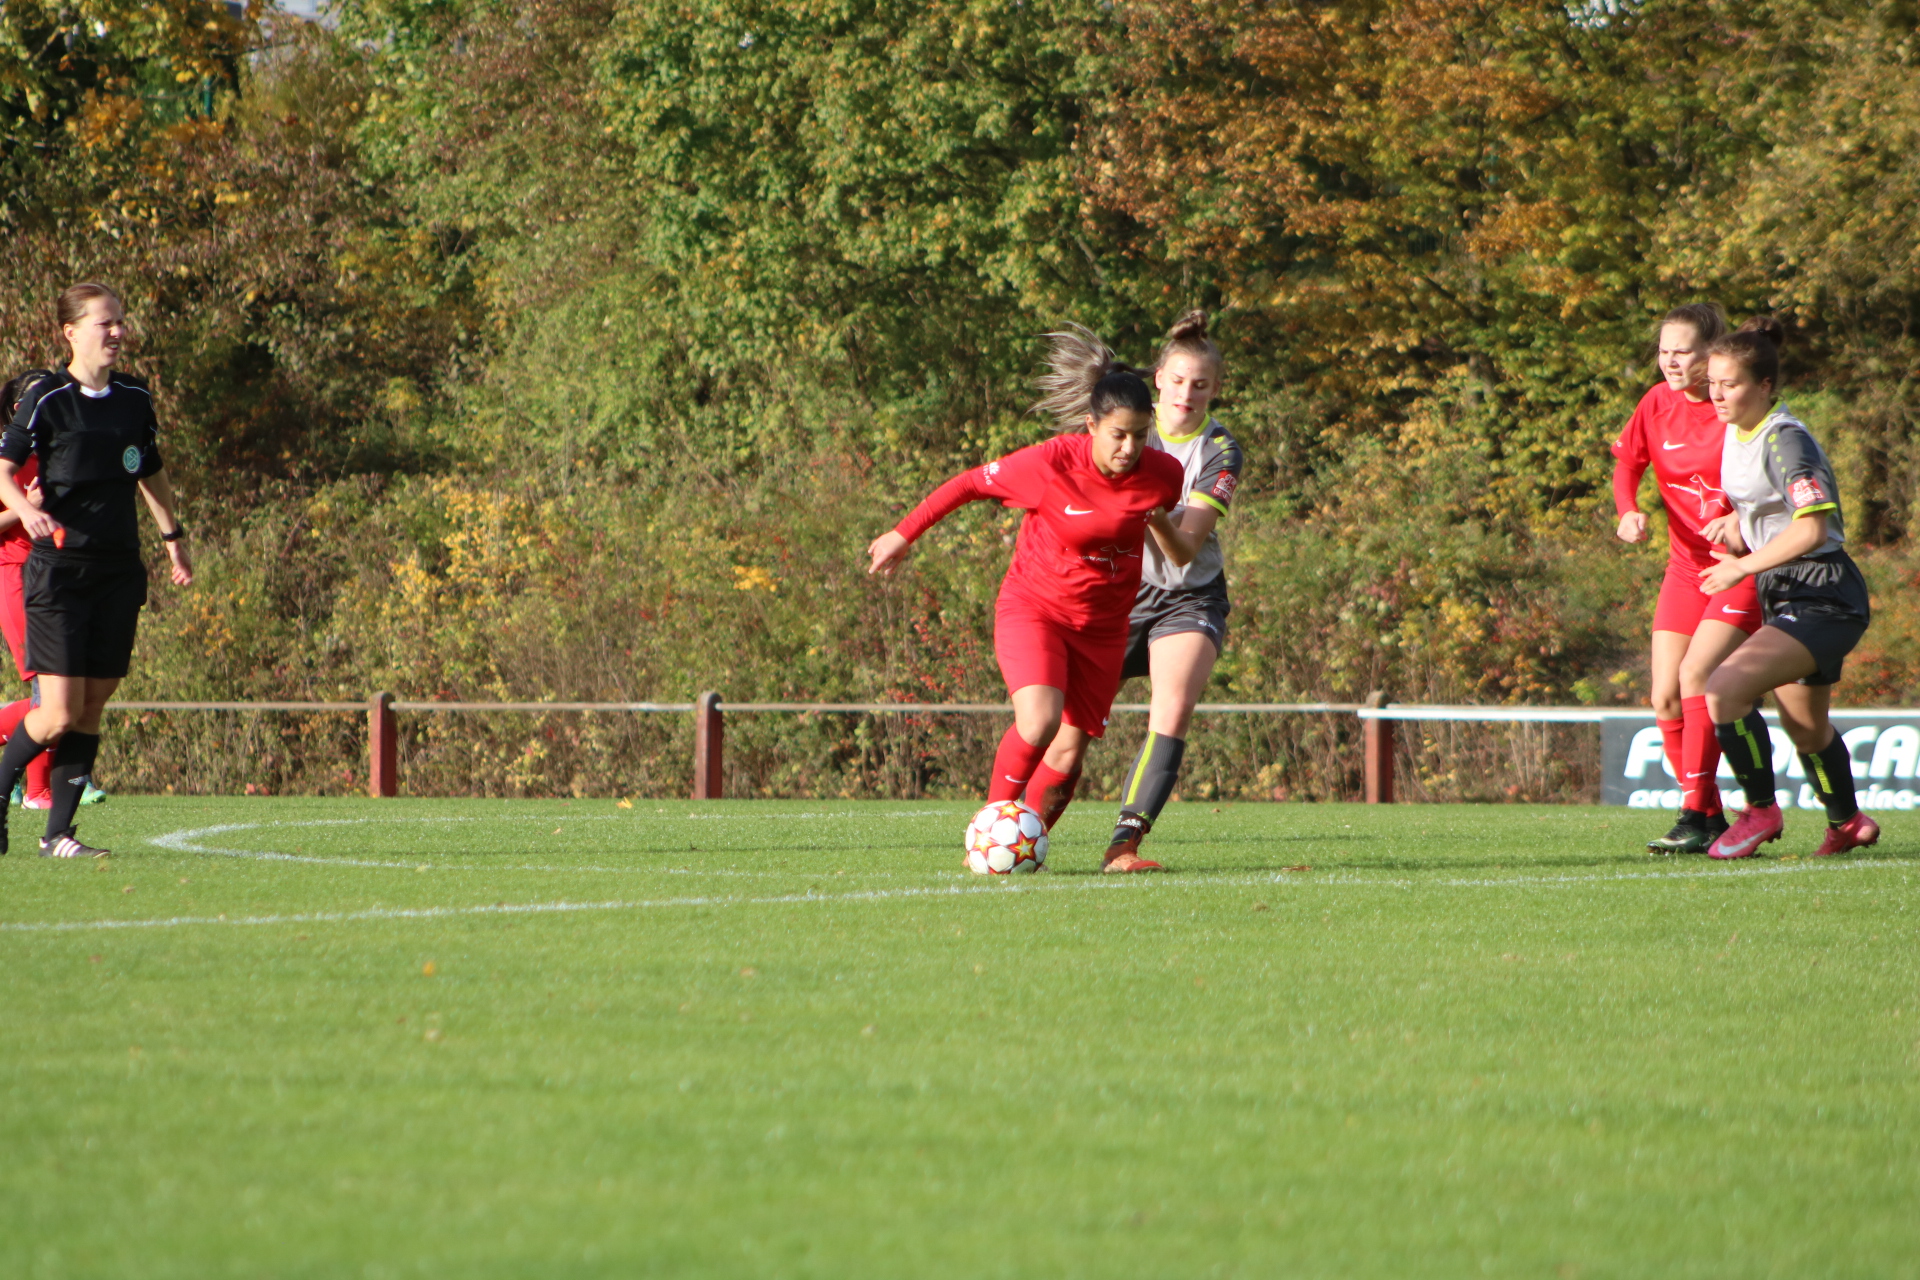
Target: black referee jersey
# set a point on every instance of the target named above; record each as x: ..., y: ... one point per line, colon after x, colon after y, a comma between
x: 94, y: 449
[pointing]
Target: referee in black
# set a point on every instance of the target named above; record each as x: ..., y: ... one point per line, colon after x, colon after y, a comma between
x: 94, y: 432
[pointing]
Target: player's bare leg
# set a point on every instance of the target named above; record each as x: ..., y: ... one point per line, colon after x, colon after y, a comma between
x: 1769, y: 660
x: 1694, y: 750
x: 1179, y: 666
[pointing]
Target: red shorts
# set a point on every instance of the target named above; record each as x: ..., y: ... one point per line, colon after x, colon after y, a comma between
x: 13, y: 616
x: 1684, y: 606
x: 1036, y: 649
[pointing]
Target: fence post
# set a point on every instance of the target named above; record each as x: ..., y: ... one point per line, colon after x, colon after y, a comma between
x: 383, y: 747
x: 1376, y: 739
x: 709, y: 732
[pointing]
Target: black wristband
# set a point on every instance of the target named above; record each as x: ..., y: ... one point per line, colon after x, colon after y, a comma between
x: 179, y: 532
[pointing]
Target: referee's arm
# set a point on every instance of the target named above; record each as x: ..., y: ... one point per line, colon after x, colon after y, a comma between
x: 158, y: 491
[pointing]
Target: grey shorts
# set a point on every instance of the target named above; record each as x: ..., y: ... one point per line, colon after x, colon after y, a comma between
x: 1158, y: 613
x: 1821, y: 602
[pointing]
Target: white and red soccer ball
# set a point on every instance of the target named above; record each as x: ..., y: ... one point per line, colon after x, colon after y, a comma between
x: 1006, y: 838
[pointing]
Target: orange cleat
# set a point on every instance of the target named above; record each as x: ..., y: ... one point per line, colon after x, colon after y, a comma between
x: 1126, y: 861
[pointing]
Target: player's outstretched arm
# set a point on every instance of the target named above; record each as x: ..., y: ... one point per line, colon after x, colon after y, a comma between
x: 886, y: 552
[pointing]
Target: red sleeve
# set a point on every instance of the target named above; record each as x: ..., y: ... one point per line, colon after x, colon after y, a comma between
x: 1017, y: 480
x: 1630, y: 462
x: 941, y: 503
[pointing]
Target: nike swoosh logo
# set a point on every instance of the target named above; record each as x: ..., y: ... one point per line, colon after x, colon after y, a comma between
x: 1072, y: 512
x: 1751, y: 843
x: 1696, y: 775
x: 1665, y: 445
x: 1724, y: 609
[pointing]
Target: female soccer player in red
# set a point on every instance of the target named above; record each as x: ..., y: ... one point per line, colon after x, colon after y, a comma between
x: 1060, y: 624
x: 1180, y: 614
x: 1677, y: 432
x: 1786, y: 536
x: 14, y: 545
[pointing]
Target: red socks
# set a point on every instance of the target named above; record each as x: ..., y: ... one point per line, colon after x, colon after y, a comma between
x: 1673, y: 738
x: 1051, y: 792
x: 40, y: 771
x: 1013, y: 766
x: 1699, y: 757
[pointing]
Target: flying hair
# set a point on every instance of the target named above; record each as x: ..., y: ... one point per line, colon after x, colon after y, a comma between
x: 1756, y: 345
x: 1708, y: 321
x: 1084, y: 377
x: 1188, y: 337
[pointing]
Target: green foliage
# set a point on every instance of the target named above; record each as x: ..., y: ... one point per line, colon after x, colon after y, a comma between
x: 488, y: 331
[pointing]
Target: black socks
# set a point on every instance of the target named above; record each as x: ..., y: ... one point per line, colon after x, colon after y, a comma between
x: 1149, y: 784
x: 1748, y: 747
x: 1830, y: 770
x: 72, y: 770
x: 19, y: 753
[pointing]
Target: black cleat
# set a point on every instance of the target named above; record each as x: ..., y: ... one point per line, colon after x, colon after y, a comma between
x: 65, y: 846
x: 1692, y: 834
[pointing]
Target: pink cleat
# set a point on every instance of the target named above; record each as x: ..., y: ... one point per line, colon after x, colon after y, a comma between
x: 1856, y: 832
x: 1759, y: 824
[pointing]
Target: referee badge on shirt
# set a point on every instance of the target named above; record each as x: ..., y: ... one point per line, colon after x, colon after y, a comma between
x: 131, y: 459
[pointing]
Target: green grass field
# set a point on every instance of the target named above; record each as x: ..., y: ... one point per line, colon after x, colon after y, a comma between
x: 484, y: 1038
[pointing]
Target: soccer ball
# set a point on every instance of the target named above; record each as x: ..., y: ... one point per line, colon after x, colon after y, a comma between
x: 1006, y: 838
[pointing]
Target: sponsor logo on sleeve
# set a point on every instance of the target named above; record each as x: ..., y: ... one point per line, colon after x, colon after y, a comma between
x: 1223, y: 487
x: 988, y: 472
x: 1806, y: 492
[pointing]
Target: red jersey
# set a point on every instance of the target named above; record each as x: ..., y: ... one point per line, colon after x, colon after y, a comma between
x: 14, y: 542
x: 1682, y: 440
x: 1078, y: 557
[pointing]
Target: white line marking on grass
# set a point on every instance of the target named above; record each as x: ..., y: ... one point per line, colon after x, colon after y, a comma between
x: 548, y: 908
x: 187, y: 841
x: 998, y: 885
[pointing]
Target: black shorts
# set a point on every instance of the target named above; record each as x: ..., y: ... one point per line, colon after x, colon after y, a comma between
x: 1158, y: 613
x: 82, y: 613
x: 1820, y: 601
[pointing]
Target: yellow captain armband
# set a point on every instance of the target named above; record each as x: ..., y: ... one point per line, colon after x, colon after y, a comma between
x: 1209, y: 499
x: 1821, y: 506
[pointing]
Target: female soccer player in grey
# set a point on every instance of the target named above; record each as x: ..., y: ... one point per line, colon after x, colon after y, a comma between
x: 1179, y: 619
x: 1785, y: 532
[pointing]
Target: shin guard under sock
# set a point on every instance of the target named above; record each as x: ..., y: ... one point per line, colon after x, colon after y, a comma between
x: 20, y: 751
x: 1149, y: 784
x: 1830, y: 770
x: 1051, y: 791
x: 1699, y: 757
x: 1749, y: 749
x: 1673, y: 738
x: 1013, y: 766
x: 72, y: 770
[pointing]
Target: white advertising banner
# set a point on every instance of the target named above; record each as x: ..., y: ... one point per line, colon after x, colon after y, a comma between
x: 1885, y: 746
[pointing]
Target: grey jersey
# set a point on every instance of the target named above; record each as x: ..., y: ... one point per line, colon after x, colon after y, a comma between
x: 1212, y: 463
x: 1776, y: 475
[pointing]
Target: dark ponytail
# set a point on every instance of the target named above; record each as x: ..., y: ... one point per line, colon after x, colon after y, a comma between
x: 1084, y: 377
